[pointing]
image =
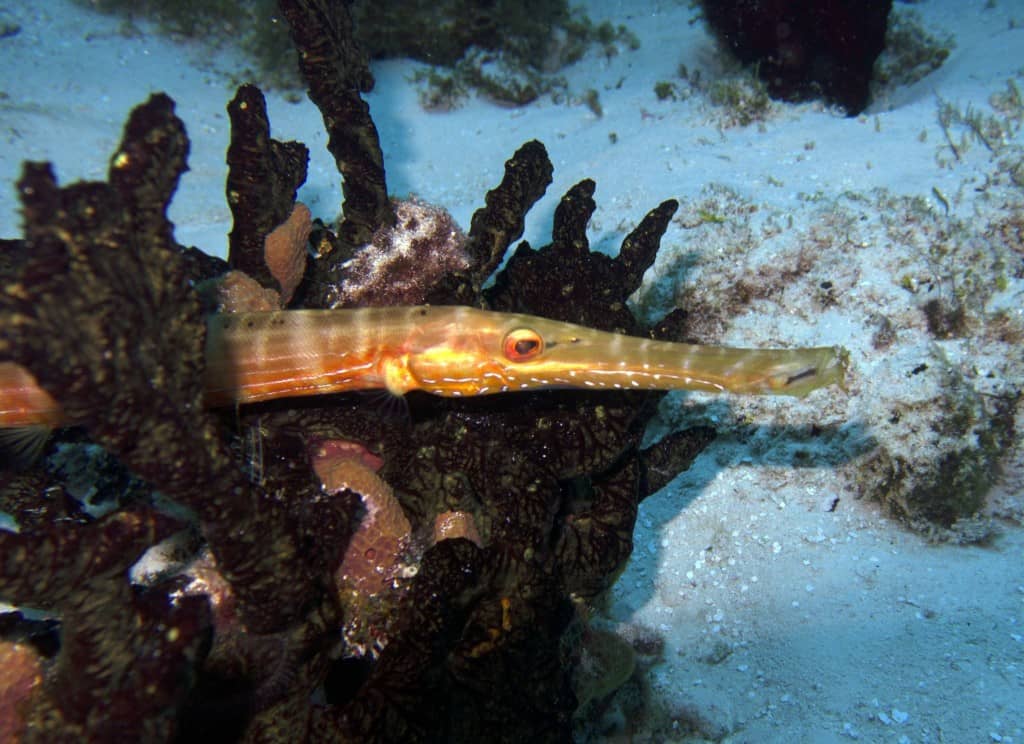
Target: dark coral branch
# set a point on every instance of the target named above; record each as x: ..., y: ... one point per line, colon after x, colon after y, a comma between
x: 596, y: 541
x: 336, y: 72
x: 640, y: 247
x: 147, y: 166
x: 126, y: 664
x: 90, y: 261
x: 571, y: 217
x: 43, y: 569
x: 500, y: 221
x: 124, y: 660
x: 578, y: 285
x: 13, y: 253
x: 264, y: 176
x: 133, y: 373
x: 508, y: 668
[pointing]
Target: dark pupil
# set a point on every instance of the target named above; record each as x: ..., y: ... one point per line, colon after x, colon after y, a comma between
x: 525, y: 346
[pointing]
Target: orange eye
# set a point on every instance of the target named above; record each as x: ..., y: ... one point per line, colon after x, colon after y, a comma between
x: 522, y: 345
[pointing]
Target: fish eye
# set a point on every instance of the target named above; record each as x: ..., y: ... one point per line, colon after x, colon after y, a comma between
x: 522, y: 345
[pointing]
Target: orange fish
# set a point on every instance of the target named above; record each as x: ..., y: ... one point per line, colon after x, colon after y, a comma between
x: 450, y: 351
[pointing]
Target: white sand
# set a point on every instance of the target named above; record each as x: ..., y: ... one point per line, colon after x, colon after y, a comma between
x: 783, y: 620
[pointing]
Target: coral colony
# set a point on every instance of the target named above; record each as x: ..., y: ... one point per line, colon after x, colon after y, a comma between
x: 804, y: 49
x: 319, y: 607
x: 349, y: 575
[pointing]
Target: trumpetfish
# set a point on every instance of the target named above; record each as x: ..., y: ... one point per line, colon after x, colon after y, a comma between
x: 449, y: 351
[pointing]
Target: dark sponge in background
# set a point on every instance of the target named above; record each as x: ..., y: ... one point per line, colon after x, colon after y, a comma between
x: 806, y: 49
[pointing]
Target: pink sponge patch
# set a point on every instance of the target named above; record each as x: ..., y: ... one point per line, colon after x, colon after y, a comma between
x: 374, y: 553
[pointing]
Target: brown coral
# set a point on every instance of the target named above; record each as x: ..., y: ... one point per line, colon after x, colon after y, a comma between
x: 237, y: 292
x: 22, y: 675
x: 373, y: 553
x: 284, y: 250
x: 451, y: 524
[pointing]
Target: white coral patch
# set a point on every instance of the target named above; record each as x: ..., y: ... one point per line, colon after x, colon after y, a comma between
x: 404, y: 261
